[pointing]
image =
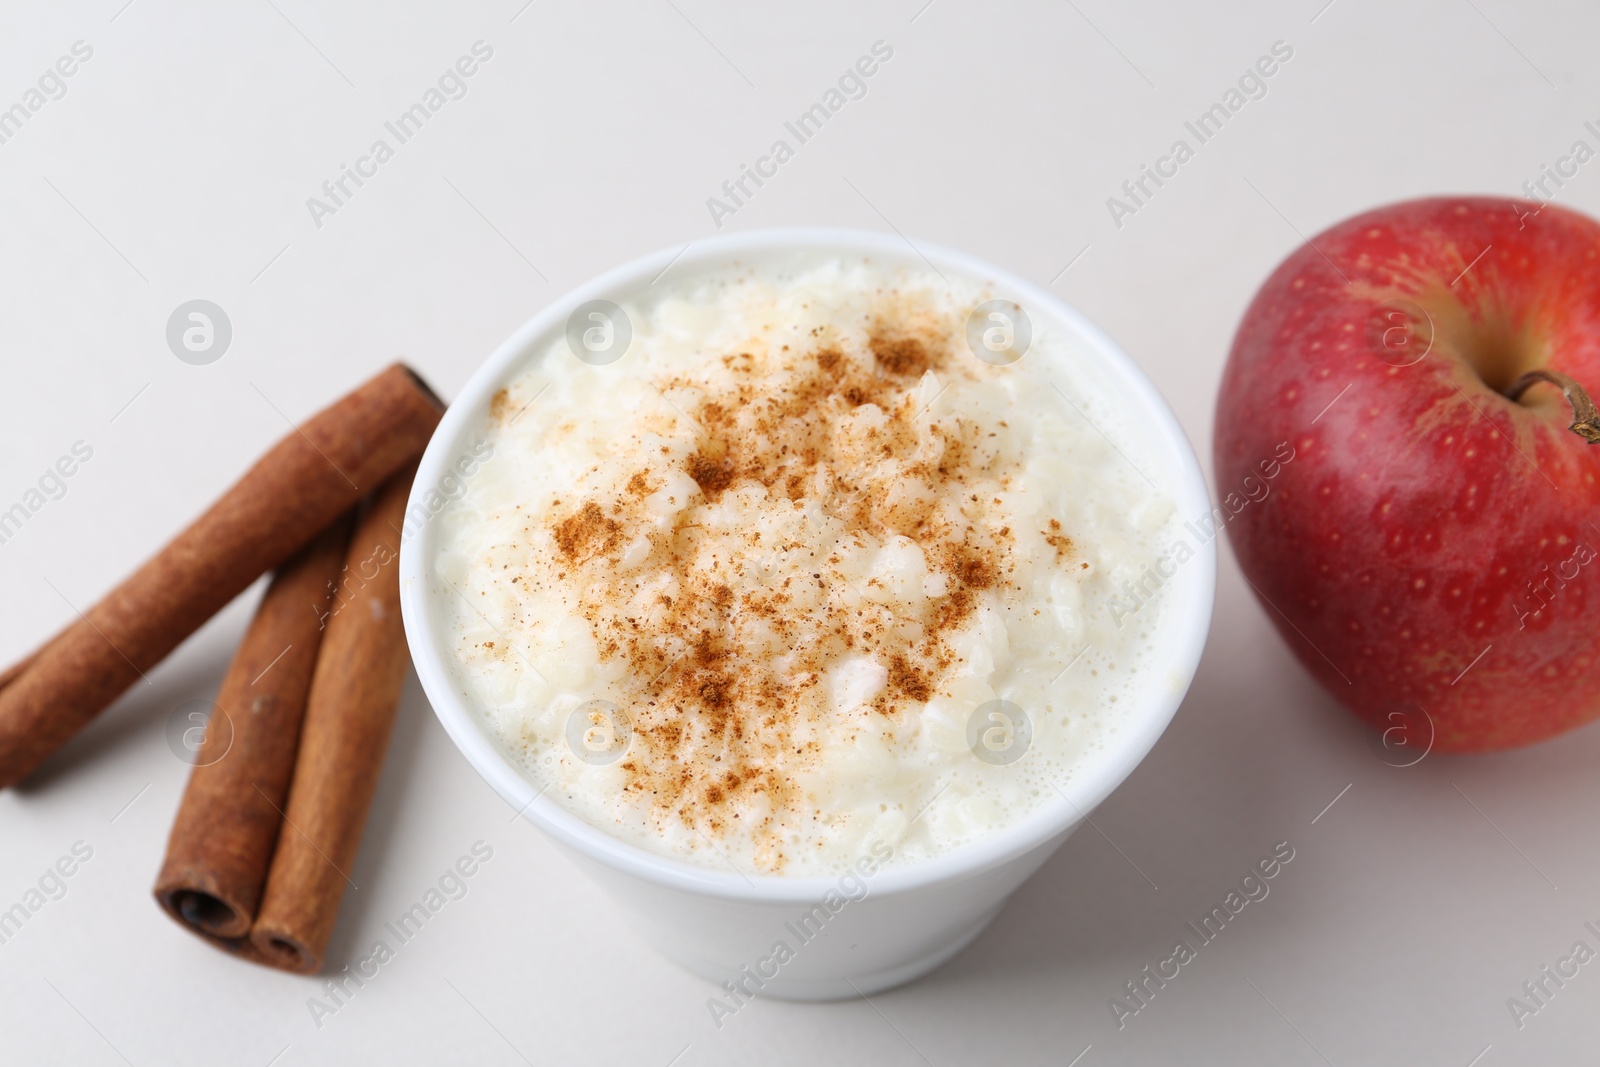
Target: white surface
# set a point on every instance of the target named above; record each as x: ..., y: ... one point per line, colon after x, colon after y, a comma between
x: 190, y: 142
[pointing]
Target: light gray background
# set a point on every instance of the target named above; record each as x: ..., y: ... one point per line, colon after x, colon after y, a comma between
x: 177, y: 167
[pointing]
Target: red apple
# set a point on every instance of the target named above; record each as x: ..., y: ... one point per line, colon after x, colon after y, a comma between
x: 1431, y: 547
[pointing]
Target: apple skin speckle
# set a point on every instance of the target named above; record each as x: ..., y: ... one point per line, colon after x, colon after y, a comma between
x: 1426, y: 517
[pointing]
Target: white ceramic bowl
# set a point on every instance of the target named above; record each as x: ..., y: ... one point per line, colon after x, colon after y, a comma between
x: 722, y: 924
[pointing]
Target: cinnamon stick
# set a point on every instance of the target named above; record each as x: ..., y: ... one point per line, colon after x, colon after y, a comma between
x: 312, y: 475
x: 228, y: 822
x: 350, y: 713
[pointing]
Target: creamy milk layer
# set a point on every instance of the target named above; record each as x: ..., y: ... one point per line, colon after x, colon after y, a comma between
x: 799, y: 573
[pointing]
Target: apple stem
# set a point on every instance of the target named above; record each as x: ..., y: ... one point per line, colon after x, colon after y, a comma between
x: 1585, y: 416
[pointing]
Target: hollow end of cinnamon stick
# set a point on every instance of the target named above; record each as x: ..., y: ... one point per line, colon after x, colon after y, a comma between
x: 206, y: 913
x: 279, y: 949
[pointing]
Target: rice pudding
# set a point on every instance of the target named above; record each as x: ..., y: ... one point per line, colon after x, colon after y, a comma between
x: 799, y: 573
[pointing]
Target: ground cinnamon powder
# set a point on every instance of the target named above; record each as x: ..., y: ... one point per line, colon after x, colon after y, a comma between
x: 721, y: 675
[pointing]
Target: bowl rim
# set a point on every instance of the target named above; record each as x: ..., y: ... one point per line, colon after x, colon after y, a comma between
x: 1192, y: 597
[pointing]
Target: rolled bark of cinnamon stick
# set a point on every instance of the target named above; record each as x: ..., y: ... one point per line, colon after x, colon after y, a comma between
x: 350, y: 713
x: 227, y: 825
x: 312, y: 475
